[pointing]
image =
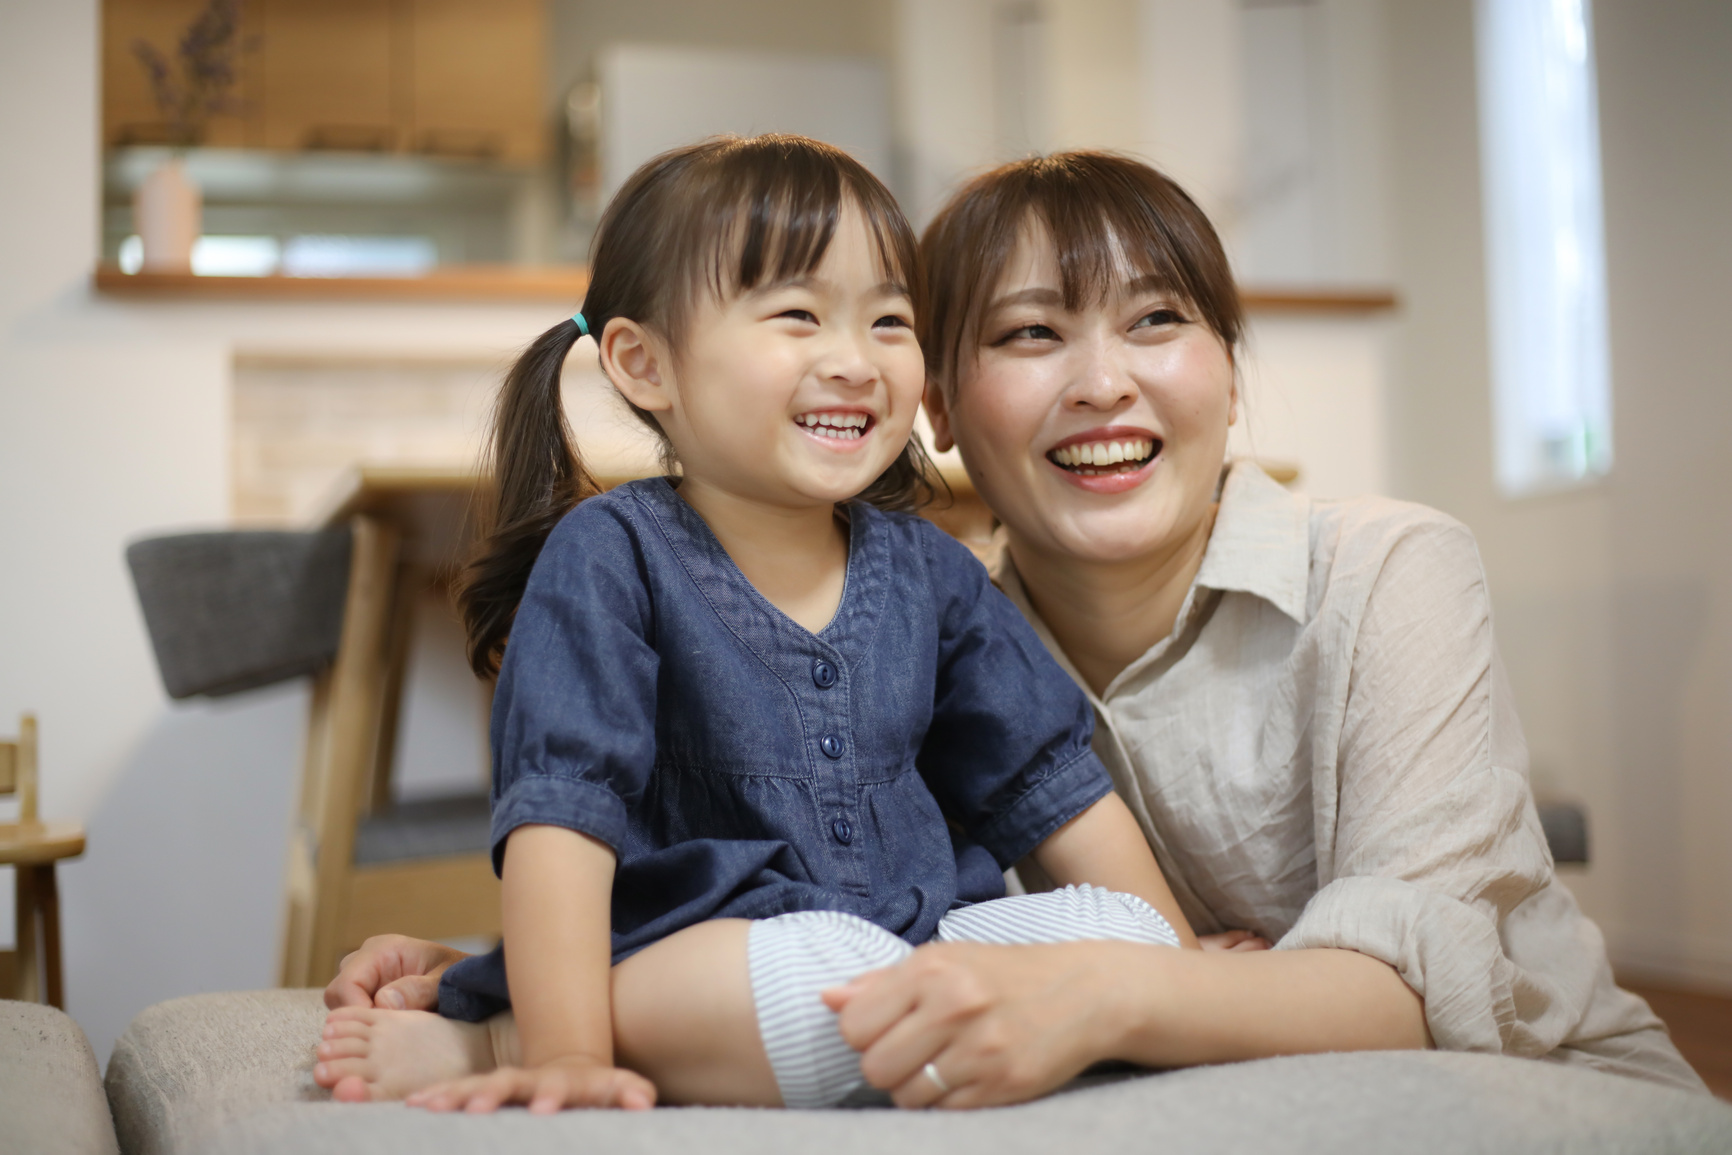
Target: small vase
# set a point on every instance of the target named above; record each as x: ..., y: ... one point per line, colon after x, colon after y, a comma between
x: 168, y: 213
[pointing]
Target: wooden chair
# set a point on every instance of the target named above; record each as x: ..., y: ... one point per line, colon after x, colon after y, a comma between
x: 359, y: 863
x: 32, y: 848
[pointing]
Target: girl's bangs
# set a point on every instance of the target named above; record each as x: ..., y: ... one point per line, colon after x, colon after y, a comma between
x: 779, y: 217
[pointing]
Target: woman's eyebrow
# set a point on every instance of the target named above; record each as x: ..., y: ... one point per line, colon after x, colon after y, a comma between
x: 1147, y: 283
x: 1035, y: 296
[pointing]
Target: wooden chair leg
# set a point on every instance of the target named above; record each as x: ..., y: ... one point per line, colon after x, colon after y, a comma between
x: 28, y: 982
x: 48, y: 902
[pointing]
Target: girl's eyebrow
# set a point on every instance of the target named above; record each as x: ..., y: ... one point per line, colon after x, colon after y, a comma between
x: 814, y: 284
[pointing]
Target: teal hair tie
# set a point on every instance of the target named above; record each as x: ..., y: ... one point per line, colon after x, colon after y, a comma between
x: 582, y: 325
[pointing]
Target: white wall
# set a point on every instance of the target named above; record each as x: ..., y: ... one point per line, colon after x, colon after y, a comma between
x: 113, y: 424
x: 1614, y: 603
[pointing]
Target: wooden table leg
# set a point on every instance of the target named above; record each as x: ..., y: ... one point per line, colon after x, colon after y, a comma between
x: 48, y: 902
x: 28, y: 987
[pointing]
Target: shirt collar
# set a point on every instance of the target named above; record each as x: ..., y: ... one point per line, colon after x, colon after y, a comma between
x: 1261, y: 543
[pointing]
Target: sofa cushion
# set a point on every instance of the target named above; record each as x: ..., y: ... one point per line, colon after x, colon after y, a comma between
x: 233, y: 1073
x: 50, y: 1093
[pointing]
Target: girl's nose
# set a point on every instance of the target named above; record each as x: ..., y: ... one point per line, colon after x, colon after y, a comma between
x: 848, y: 362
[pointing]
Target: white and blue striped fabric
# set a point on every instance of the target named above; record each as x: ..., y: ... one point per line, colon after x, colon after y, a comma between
x: 796, y: 956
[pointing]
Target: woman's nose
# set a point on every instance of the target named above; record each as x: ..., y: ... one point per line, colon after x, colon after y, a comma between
x: 1100, y: 381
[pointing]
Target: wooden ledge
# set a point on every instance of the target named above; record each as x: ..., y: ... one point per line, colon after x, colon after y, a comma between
x: 564, y: 284
x: 35, y: 843
x: 1318, y: 300
x: 451, y: 283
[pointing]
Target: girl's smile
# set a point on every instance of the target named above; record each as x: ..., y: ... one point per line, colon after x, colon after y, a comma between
x: 839, y: 429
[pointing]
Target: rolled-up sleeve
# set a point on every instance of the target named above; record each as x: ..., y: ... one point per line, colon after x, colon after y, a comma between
x: 1007, y: 753
x: 574, y: 714
x: 1435, y: 837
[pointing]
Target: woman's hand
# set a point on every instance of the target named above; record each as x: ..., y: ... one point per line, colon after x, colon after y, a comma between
x: 1000, y: 1024
x: 1233, y: 940
x: 574, y: 1082
x: 392, y: 971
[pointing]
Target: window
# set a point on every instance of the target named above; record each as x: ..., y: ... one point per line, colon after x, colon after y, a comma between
x: 1545, y: 252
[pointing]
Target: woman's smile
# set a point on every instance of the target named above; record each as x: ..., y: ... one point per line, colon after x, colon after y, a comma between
x: 1109, y: 459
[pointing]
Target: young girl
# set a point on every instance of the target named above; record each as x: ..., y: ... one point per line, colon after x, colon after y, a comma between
x: 757, y: 730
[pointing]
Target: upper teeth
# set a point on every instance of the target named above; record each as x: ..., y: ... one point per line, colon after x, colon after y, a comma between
x: 1104, y: 452
x: 847, y: 425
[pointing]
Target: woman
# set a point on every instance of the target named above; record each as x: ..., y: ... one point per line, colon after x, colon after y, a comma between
x: 1301, y: 700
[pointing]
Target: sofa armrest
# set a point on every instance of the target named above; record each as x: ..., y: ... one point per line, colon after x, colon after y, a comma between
x: 50, y: 1094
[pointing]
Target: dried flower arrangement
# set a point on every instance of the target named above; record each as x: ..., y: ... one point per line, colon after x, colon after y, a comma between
x: 202, y: 86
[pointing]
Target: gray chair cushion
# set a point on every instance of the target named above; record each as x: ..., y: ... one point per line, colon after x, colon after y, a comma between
x: 50, y: 1094
x: 232, y: 1073
x: 231, y: 611
x: 425, y: 828
x: 1566, y: 827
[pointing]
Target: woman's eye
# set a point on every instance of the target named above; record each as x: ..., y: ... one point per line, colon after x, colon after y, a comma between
x: 805, y: 315
x: 1159, y: 317
x: 1028, y: 333
x: 891, y: 321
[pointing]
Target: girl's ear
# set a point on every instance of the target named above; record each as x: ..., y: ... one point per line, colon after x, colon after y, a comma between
x: 938, y: 416
x: 1233, y: 405
x: 634, y: 360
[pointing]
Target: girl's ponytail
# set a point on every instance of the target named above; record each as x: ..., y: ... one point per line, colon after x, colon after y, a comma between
x: 538, y: 479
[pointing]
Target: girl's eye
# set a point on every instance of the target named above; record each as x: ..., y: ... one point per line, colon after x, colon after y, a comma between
x: 1159, y: 317
x: 1035, y: 332
x: 805, y: 315
x: 891, y: 321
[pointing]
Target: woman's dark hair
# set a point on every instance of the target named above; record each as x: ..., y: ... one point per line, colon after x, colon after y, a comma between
x: 723, y: 216
x: 1106, y: 214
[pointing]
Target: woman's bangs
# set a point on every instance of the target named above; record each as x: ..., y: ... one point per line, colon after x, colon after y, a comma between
x: 1104, y: 245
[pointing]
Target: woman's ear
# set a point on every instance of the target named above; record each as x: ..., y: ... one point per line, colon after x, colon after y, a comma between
x: 634, y: 360
x: 938, y: 416
x: 1233, y: 405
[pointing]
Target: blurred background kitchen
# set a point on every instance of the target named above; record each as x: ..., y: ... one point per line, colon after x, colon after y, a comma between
x: 1484, y: 246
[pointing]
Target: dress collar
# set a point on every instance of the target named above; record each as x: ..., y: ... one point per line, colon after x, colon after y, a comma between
x: 1261, y: 544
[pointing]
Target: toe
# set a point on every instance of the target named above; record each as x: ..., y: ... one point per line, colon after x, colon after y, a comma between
x: 352, y: 1089
x: 343, y: 1049
x: 349, y: 1080
x: 348, y: 1029
x: 351, y: 1015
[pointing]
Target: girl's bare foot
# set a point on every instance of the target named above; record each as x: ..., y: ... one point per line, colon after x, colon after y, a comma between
x: 369, y: 1055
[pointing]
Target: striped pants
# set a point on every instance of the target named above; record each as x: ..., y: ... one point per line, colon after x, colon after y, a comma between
x: 796, y: 956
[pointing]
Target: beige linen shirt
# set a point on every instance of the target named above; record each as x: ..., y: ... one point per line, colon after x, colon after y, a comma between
x: 1325, y: 751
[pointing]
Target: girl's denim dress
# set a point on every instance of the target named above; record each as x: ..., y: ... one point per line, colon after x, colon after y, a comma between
x: 740, y: 766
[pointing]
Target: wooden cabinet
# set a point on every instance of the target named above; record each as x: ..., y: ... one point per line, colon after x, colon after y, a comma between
x: 440, y: 77
x: 328, y: 70
x: 129, y: 111
x: 476, y: 83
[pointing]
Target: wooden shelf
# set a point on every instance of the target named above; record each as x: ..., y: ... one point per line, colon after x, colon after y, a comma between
x: 1361, y: 300
x: 452, y: 283
x: 563, y: 283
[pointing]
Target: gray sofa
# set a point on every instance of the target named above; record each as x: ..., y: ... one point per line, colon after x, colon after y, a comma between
x: 231, y: 1073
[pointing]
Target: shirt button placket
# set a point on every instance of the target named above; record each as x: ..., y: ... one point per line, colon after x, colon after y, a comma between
x: 824, y: 677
